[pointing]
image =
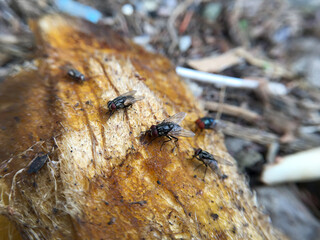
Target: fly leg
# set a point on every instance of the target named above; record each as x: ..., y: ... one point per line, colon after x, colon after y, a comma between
x: 152, y: 140
x: 170, y: 139
x: 111, y: 113
x: 124, y: 113
x: 175, y: 143
x: 205, y: 172
x: 194, y: 156
x: 126, y: 109
x: 197, y: 157
x: 197, y: 167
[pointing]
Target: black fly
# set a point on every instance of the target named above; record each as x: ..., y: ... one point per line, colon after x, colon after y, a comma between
x: 37, y: 163
x: 123, y: 101
x: 76, y: 75
x: 206, y: 123
x: 210, y: 161
x: 170, y: 128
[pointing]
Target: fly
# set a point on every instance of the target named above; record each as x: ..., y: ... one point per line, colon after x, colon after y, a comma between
x: 206, y: 123
x: 123, y: 101
x: 37, y: 164
x: 170, y: 128
x: 210, y: 161
x: 76, y: 75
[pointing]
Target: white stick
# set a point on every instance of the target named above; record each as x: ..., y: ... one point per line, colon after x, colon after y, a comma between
x: 298, y: 167
x: 274, y: 88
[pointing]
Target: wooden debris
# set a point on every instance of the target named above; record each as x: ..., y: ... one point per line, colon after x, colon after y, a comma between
x: 271, y: 68
x: 282, y: 124
x: 287, y: 211
x: 301, y: 143
x: 235, y: 111
x: 236, y: 56
x: 251, y: 134
x: 299, y: 167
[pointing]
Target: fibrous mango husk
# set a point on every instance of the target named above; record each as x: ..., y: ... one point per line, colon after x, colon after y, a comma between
x: 101, y: 181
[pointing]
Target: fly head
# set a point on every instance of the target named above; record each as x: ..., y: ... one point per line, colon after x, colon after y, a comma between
x: 112, y: 106
x: 200, y: 124
x: 198, y: 152
x: 154, y: 131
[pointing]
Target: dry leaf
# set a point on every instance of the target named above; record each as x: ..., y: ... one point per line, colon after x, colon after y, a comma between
x: 216, y: 63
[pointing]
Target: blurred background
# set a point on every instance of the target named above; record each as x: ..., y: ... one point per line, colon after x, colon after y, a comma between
x: 271, y: 122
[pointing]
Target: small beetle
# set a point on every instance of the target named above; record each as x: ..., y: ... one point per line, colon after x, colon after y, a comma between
x: 37, y: 163
x: 76, y: 75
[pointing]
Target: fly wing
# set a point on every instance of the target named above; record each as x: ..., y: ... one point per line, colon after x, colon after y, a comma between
x: 218, y: 172
x: 177, y: 118
x: 131, y: 100
x: 127, y: 94
x: 223, y: 161
x: 180, y: 132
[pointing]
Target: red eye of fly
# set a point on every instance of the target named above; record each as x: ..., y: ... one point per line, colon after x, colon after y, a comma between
x: 154, y: 131
x: 198, y: 151
x: 113, y: 107
x: 200, y: 124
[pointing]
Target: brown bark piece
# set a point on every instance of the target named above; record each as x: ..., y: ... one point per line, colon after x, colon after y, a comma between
x: 101, y: 181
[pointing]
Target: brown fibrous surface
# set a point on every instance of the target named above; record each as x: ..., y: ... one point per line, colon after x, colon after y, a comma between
x: 101, y: 181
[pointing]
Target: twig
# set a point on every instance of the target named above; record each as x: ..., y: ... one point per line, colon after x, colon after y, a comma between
x: 294, y: 168
x: 251, y: 134
x: 240, y: 112
x: 308, y: 105
x: 273, y: 149
x: 303, y: 143
x: 275, y: 69
x: 182, y: 7
x: 220, y: 80
x: 309, y: 129
x: 185, y: 22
